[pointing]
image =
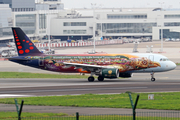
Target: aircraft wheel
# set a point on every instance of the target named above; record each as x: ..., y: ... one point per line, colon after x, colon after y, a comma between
x: 100, y: 78
x: 91, y: 79
x: 153, y: 79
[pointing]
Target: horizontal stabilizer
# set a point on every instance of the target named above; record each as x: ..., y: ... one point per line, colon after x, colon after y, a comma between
x: 18, y: 59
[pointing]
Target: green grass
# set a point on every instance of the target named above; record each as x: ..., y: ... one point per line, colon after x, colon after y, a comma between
x: 177, y: 63
x: 11, y: 115
x: 37, y: 75
x: 165, y: 101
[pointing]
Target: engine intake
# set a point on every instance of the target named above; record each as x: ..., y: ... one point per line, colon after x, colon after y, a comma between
x: 110, y: 73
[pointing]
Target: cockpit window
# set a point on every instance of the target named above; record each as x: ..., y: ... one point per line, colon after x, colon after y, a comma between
x: 164, y: 59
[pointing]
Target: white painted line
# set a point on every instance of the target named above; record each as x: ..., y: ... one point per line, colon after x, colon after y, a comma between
x: 13, y: 95
x: 67, y: 90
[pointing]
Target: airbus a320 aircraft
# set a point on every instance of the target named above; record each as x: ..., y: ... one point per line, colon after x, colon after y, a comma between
x: 103, y: 65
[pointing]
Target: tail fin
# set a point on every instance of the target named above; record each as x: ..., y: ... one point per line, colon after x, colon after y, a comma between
x: 23, y: 44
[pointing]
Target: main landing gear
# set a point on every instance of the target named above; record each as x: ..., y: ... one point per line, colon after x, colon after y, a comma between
x: 91, y: 79
x: 101, y: 78
x: 152, y: 77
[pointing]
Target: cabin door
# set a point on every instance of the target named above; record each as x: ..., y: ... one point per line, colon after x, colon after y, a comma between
x: 41, y: 61
x: 151, y: 60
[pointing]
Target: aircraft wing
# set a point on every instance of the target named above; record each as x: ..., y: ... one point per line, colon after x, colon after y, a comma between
x: 86, y: 66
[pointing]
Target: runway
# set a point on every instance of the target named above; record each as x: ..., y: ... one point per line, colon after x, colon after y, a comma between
x: 165, y: 82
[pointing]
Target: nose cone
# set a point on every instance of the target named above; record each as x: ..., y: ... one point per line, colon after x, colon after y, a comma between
x: 168, y: 65
x: 172, y: 65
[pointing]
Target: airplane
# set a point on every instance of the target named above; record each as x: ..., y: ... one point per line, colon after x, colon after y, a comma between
x: 102, y: 65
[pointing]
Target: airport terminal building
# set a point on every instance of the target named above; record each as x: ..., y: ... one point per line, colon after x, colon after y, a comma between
x: 51, y: 18
x: 113, y: 23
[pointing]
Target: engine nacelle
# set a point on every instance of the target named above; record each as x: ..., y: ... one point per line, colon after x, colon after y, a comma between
x: 125, y: 75
x: 110, y: 73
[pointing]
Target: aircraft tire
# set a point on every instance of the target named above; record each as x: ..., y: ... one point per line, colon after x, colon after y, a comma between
x: 153, y: 79
x: 91, y: 79
x: 100, y: 78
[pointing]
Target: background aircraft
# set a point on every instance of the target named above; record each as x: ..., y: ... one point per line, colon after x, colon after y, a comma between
x: 103, y: 65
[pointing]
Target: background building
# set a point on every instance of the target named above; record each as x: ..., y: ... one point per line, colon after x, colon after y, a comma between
x: 49, y: 5
x: 48, y: 17
x: 114, y: 23
x: 20, y: 5
x: 6, y: 21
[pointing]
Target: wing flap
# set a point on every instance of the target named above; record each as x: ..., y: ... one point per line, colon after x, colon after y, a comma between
x: 87, y: 66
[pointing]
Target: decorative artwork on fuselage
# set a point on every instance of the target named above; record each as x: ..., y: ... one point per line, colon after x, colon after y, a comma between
x: 124, y: 62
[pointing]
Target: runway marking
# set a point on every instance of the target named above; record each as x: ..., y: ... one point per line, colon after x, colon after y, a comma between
x: 65, y: 90
x: 13, y: 95
x: 70, y: 84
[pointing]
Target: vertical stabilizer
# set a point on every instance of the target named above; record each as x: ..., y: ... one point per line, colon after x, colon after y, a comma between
x: 23, y: 44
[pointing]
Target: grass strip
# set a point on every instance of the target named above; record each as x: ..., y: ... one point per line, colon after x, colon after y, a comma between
x: 177, y: 63
x: 36, y: 75
x: 164, y: 101
x: 11, y: 115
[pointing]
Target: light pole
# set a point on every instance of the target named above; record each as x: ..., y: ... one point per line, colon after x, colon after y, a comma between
x: 161, y: 27
x: 94, y: 25
x: 49, y: 39
x: 48, y: 14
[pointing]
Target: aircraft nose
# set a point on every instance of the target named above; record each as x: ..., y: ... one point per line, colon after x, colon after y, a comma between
x: 172, y: 66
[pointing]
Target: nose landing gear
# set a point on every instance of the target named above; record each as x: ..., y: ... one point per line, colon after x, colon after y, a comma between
x: 152, y: 77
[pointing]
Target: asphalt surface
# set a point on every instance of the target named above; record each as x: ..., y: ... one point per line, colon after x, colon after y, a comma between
x: 42, y: 87
x: 168, y: 81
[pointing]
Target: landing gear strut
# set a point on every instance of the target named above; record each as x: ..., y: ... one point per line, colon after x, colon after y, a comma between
x: 101, y: 78
x: 91, y: 79
x: 152, y: 77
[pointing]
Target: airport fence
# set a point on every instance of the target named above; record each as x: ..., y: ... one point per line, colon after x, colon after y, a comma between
x: 85, y: 117
x: 88, y: 43
x: 175, y: 115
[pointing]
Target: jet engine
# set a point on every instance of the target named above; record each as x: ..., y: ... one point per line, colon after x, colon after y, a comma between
x: 110, y: 73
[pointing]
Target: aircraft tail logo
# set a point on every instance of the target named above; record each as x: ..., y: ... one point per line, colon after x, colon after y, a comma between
x: 23, y: 44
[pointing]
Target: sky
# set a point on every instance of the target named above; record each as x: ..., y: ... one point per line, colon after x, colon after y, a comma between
x: 122, y: 3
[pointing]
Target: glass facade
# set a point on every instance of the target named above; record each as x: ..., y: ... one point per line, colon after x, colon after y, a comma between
x: 74, y: 23
x: 51, y: 0
x: 22, y: 9
x: 126, y: 27
x: 172, y: 24
x: 27, y: 22
x: 74, y: 31
x: 168, y: 34
x: 127, y: 16
x: 42, y: 21
x: 172, y: 16
x: 5, y: 16
x: 5, y: 32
